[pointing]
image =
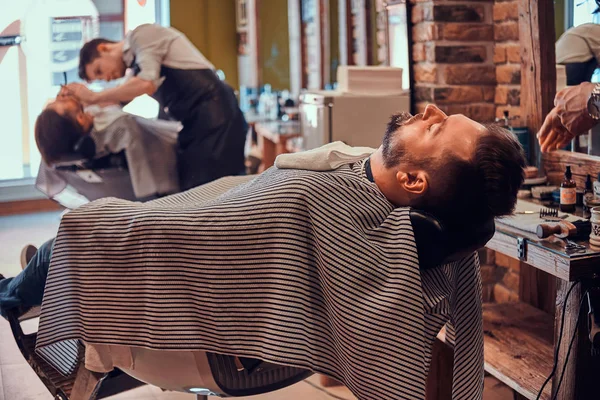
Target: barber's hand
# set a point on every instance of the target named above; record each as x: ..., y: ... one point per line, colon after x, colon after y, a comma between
x: 553, y: 135
x: 84, y: 94
x: 569, y: 117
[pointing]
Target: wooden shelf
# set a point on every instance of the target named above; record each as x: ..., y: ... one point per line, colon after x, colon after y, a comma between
x: 518, y: 346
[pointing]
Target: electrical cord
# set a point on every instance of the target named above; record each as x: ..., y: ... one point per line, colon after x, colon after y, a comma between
x: 560, y: 335
x: 570, y: 347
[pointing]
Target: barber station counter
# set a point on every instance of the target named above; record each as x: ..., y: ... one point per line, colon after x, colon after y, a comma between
x: 274, y: 138
x: 520, y: 338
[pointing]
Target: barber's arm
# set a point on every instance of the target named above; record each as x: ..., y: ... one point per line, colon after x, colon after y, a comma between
x: 572, y: 115
x: 124, y: 93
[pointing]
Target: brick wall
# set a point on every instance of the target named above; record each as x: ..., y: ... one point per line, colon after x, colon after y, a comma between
x: 499, y: 277
x: 453, y: 54
x: 507, y: 57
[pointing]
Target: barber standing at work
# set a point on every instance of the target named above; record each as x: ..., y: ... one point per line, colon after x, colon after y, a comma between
x: 168, y: 67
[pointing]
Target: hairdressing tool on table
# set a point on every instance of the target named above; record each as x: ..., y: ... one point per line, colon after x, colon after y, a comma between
x: 546, y: 214
x: 565, y: 229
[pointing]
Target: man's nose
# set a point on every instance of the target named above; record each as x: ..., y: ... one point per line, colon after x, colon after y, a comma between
x: 432, y: 111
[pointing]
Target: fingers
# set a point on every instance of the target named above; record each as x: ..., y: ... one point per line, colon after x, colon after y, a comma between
x: 553, y: 133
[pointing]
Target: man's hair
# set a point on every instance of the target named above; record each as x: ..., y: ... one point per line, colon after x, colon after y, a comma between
x: 56, y: 135
x: 88, y: 53
x: 469, y: 192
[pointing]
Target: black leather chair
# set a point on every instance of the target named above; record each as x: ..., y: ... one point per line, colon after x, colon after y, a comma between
x: 231, y: 376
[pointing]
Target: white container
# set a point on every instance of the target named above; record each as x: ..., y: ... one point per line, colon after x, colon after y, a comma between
x: 595, y: 234
x: 370, y: 80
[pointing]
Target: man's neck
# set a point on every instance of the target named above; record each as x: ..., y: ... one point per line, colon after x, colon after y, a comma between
x: 384, y: 178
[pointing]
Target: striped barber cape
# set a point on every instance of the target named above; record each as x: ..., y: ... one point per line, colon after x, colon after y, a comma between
x: 315, y: 270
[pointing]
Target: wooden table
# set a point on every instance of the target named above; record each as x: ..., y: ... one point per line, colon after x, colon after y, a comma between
x: 273, y: 137
x: 520, y: 339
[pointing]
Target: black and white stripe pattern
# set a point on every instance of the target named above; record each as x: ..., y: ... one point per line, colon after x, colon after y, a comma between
x: 310, y: 269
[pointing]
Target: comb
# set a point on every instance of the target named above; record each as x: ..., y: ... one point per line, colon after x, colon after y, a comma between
x: 549, y: 214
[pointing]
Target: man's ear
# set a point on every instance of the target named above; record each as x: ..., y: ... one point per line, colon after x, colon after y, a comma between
x: 81, y: 120
x: 102, y: 48
x: 416, y: 183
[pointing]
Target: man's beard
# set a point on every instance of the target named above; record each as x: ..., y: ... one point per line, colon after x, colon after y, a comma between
x: 393, y: 148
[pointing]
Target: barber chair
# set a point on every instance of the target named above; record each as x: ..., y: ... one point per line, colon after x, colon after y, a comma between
x: 95, y: 177
x: 209, y: 374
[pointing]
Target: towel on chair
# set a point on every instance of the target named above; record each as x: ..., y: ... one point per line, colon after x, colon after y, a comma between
x: 316, y: 270
x: 325, y: 158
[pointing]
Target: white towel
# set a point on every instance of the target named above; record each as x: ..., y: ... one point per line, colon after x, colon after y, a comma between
x: 325, y: 158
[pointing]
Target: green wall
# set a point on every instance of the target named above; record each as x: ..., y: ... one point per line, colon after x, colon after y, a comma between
x: 559, y: 17
x: 274, y: 44
x: 211, y: 26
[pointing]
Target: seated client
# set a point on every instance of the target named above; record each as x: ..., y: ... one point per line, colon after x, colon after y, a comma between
x: 289, y: 267
x: 63, y: 123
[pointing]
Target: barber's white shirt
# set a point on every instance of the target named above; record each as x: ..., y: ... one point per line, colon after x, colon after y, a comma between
x: 579, y: 44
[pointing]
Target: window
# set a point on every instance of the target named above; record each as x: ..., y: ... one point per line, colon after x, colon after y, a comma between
x: 31, y: 72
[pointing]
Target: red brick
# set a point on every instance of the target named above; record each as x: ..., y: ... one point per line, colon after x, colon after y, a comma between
x: 488, y: 93
x: 488, y: 274
x: 423, y: 93
x: 469, y: 74
x: 508, y: 95
x: 504, y: 295
x: 458, y: 13
x: 514, y: 265
x: 506, y: 31
x: 511, y: 281
x: 425, y: 72
x: 467, y: 32
x: 419, y: 53
x: 460, y: 54
x: 422, y: 12
x: 502, y: 260
x: 499, y: 54
x: 481, y: 112
x: 506, y: 11
x: 510, y: 74
x: 425, y: 32
x: 457, y: 94
x: 513, y: 53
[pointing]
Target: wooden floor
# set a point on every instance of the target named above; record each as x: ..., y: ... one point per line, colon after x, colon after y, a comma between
x: 19, y: 382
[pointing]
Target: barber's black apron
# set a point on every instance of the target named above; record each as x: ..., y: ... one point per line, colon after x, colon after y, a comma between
x: 211, y: 143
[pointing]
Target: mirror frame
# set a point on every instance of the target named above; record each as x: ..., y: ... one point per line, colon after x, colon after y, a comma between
x: 538, y: 88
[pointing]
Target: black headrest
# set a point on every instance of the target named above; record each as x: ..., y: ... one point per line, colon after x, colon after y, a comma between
x: 437, y: 245
x: 85, y: 147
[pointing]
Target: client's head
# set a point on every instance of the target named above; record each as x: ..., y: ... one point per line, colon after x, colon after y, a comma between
x: 451, y: 166
x: 59, y: 127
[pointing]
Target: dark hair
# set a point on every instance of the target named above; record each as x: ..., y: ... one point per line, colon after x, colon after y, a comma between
x: 56, y: 135
x: 471, y: 192
x: 88, y: 53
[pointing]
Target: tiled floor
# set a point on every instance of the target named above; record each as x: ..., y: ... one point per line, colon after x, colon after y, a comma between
x: 19, y: 382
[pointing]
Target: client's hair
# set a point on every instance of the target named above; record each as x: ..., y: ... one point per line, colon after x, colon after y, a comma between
x: 88, y: 53
x: 471, y: 192
x: 56, y: 135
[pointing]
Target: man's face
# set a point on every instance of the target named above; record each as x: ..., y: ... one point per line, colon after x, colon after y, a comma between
x: 106, y: 67
x: 68, y: 106
x: 433, y: 134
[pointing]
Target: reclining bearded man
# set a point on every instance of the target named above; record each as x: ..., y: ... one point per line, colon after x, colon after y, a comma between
x: 314, y: 269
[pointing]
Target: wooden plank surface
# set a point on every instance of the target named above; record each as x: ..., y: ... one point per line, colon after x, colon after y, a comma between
x: 518, y: 346
x: 538, y: 65
x: 581, y: 373
x: 581, y: 165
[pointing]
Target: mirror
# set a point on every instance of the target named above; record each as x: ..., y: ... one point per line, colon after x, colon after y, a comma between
x: 576, y: 57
